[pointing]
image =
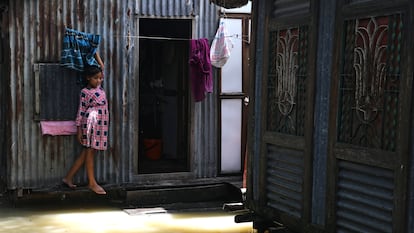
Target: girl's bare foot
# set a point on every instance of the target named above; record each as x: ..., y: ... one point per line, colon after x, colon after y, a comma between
x: 68, y: 183
x: 97, y: 189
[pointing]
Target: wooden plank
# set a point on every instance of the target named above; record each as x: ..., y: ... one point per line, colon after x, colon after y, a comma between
x: 183, y: 194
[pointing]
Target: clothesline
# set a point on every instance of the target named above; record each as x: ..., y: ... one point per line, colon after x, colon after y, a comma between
x: 237, y: 36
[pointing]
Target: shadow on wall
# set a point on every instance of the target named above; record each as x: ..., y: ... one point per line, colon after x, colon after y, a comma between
x: 3, y: 95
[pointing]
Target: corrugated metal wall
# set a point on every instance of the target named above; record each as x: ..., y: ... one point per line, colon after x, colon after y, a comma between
x: 288, y: 8
x: 166, y: 8
x: 35, y: 33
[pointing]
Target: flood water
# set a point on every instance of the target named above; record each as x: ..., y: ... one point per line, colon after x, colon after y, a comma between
x: 103, y: 218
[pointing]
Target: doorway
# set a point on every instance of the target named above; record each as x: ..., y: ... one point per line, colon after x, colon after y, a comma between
x: 163, y: 96
x: 234, y: 96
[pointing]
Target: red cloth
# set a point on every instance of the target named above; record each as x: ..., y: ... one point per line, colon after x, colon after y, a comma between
x: 201, y: 75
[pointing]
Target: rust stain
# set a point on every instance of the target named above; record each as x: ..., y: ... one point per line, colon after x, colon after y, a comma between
x: 81, y: 10
x: 128, y: 40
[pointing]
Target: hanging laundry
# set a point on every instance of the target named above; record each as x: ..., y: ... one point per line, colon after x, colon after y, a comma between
x: 221, y: 46
x: 58, y: 128
x: 79, y: 49
x: 200, y: 68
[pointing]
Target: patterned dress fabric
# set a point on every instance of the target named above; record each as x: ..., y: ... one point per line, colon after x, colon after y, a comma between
x: 79, y: 49
x: 93, y: 118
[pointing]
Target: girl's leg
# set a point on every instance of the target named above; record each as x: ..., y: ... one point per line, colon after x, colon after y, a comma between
x: 68, y: 179
x: 93, y: 185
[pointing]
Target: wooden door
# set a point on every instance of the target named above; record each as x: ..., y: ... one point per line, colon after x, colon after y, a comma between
x: 287, y: 113
x: 369, y: 122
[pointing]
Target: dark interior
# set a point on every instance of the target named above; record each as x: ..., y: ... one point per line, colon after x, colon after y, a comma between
x: 163, y: 95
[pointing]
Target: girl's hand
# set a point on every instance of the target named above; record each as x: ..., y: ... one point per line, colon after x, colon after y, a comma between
x: 79, y: 135
x: 99, y: 60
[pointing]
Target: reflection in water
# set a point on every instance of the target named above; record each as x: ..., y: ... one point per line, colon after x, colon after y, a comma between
x: 103, y: 220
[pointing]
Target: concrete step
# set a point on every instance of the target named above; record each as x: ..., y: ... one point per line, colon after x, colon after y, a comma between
x: 184, y: 194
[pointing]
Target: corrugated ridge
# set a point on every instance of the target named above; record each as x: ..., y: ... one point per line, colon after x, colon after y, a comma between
x: 364, y: 198
x: 284, y: 176
x: 285, y: 8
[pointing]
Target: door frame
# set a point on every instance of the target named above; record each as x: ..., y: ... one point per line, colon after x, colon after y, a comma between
x: 183, y: 134
x: 4, y: 95
x: 246, y: 27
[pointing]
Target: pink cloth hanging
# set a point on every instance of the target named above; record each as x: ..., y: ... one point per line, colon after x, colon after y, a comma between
x: 200, y: 69
x: 55, y: 128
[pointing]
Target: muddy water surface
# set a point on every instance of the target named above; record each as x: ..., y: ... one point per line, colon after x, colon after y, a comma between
x: 91, y: 218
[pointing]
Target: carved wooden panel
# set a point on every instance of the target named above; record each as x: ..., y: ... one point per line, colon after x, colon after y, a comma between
x: 286, y: 96
x: 370, y: 82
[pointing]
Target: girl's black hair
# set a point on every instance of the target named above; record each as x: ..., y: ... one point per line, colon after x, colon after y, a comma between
x: 87, y: 72
x: 91, y: 70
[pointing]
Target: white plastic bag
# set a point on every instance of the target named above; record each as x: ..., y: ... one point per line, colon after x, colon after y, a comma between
x: 221, y: 46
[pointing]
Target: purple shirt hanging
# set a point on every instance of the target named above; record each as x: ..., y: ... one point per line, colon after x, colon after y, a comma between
x: 200, y: 69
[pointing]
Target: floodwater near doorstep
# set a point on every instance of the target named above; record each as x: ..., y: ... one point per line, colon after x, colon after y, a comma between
x: 35, y: 219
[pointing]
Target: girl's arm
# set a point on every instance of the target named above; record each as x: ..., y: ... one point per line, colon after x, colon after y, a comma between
x: 83, y: 101
x: 99, y: 60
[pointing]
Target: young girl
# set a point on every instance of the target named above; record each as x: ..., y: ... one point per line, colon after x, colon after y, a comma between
x: 92, y: 122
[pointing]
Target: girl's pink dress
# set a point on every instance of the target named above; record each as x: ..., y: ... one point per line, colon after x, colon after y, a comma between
x: 93, y: 118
